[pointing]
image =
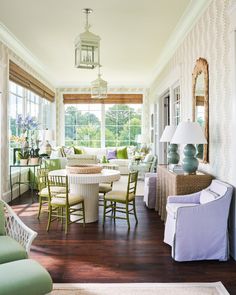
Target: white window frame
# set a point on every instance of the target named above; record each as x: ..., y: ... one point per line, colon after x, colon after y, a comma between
x: 25, y: 98
x: 103, y: 126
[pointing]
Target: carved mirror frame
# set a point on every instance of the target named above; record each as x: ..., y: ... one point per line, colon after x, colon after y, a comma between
x: 201, y: 66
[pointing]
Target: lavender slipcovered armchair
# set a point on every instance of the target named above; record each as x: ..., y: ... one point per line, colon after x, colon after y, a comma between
x: 196, y: 225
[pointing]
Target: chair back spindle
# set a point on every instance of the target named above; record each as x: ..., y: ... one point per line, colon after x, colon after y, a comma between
x: 132, y: 184
x: 58, y: 181
x: 42, y: 174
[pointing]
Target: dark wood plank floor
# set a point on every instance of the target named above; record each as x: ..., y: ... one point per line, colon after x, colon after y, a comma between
x: 112, y: 254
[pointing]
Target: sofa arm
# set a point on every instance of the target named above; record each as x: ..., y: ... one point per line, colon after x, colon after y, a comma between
x: 191, y: 198
x: 17, y: 230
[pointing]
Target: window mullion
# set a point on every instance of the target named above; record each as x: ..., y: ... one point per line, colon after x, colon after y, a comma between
x: 103, y: 128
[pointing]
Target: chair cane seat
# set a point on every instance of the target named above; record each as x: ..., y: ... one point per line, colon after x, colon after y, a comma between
x: 60, y: 199
x: 118, y: 196
x: 53, y: 189
x: 104, y: 188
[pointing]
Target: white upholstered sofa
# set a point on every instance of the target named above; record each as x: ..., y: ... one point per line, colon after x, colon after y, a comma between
x: 89, y: 154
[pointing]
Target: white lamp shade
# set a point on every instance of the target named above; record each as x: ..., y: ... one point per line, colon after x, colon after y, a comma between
x: 49, y: 135
x: 168, y: 133
x: 189, y: 133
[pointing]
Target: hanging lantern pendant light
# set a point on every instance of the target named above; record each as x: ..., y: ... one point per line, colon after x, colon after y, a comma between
x: 87, y: 47
x: 99, y: 87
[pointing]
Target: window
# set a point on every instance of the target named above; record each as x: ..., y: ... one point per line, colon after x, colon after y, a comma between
x: 176, y: 104
x: 22, y: 102
x: 96, y: 125
x: 83, y: 125
x: 122, y: 124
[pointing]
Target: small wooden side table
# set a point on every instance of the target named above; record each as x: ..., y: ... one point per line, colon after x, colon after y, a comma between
x: 31, y: 182
x: 170, y: 183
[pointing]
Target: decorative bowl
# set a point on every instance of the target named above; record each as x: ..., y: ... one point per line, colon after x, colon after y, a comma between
x: 83, y: 169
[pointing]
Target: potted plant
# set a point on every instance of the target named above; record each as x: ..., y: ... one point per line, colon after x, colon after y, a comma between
x: 34, y: 157
x: 23, y: 156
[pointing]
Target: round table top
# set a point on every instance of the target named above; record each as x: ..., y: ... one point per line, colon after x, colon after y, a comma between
x: 106, y: 175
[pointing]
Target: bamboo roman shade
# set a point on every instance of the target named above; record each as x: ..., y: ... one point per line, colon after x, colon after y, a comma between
x: 200, y: 100
x: 21, y: 77
x: 111, y: 99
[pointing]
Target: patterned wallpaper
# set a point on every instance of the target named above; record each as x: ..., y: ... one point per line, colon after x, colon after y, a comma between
x: 210, y: 39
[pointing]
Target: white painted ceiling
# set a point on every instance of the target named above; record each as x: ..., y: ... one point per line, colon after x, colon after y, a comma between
x: 133, y: 34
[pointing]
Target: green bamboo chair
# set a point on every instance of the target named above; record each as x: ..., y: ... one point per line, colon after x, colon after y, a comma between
x: 61, y: 205
x: 104, y: 188
x: 124, y: 198
x: 43, y: 193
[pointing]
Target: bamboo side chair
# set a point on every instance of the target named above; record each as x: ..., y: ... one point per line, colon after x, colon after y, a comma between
x: 124, y: 198
x: 43, y: 193
x: 104, y: 188
x: 61, y: 205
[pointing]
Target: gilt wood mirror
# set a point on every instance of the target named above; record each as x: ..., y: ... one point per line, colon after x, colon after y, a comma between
x: 200, y: 93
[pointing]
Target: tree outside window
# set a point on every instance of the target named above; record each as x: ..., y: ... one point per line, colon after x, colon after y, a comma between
x: 83, y: 124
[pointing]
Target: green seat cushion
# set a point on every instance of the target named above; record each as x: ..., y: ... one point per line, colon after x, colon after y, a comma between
x: 24, y: 277
x: 2, y: 219
x: 11, y: 250
x: 122, y: 153
x: 78, y: 151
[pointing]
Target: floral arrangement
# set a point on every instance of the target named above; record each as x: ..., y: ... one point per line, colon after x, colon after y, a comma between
x: 28, y: 123
x: 28, y: 132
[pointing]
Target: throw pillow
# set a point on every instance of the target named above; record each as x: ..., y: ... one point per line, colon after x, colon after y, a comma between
x: 68, y: 150
x: 111, y: 155
x: 2, y: 220
x: 78, y: 151
x: 207, y: 196
x: 122, y: 153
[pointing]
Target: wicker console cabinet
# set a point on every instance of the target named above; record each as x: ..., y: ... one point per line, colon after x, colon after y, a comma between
x: 170, y: 183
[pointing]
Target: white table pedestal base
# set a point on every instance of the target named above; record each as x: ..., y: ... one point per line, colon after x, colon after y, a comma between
x: 90, y: 195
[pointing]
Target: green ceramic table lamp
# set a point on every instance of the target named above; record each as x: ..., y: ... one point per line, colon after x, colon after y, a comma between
x: 189, y: 133
x: 172, y: 156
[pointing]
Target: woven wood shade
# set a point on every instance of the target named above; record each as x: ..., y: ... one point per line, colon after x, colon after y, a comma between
x: 21, y: 77
x: 111, y: 99
x: 200, y: 100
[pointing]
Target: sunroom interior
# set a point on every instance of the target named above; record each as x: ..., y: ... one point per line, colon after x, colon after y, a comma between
x: 166, y: 64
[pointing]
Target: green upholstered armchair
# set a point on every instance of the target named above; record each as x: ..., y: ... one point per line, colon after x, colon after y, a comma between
x: 15, y: 237
x: 146, y: 165
x: 19, y: 275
